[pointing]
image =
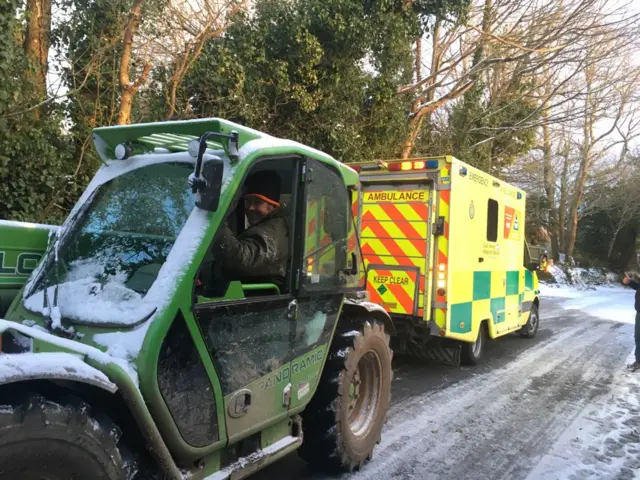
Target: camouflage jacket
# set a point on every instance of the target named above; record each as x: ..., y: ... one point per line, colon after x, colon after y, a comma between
x: 257, y: 255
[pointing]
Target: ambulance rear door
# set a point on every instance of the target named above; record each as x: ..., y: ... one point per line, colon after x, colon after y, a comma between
x: 395, y: 231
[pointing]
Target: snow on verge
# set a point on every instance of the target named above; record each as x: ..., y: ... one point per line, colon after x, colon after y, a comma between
x: 615, y: 303
x: 603, y: 441
x: 37, y: 365
x: 582, y: 278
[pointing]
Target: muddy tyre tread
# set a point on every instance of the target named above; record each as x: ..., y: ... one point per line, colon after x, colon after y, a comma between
x: 324, y: 446
x: 69, y: 427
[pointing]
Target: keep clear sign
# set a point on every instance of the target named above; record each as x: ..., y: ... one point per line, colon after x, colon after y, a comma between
x: 512, y: 223
x: 394, y: 289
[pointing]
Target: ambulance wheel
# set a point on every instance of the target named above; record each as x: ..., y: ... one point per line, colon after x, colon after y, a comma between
x: 472, y: 352
x: 42, y: 439
x: 530, y: 328
x: 343, y: 422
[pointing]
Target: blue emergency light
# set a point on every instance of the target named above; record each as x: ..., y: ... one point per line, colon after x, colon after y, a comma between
x: 432, y: 164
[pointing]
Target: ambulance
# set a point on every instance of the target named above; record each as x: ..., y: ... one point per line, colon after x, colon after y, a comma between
x: 443, y: 245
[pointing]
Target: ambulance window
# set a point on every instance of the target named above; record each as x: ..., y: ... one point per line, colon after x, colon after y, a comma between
x: 492, y: 221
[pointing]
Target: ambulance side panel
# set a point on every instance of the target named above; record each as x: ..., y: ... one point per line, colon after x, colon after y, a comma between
x: 485, y: 266
x: 475, y: 292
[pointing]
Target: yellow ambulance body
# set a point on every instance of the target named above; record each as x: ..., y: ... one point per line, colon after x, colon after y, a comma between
x: 443, y: 245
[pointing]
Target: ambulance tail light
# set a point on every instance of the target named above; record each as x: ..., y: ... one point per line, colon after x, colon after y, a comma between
x: 441, y: 279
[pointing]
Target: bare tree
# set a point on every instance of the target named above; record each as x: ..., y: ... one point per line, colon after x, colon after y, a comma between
x: 609, y: 93
x: 543, y: 40
x: 36, y: 44
x: 185, y: 29
x: 129, y: 88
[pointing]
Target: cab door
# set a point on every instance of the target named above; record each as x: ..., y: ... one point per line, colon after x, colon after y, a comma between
x: 330, y: 267
x: 248, y: 342
x: 248, y: 329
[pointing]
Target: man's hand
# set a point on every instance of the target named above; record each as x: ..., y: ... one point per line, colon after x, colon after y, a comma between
x: 626, y: 280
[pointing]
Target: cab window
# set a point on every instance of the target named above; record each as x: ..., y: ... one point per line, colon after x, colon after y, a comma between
x: 217, y: 276
x: 331, y: 257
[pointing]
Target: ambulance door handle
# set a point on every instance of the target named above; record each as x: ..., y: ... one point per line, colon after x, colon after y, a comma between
x: 481, y: 259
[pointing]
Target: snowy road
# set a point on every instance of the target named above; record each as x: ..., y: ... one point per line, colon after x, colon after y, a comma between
x: 558, y: 406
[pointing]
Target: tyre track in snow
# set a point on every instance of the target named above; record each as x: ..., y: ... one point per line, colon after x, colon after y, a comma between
x: 497, y: 425
x: 495, y: 421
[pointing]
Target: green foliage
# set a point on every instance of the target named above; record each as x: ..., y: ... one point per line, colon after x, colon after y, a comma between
x: 10, y: 58
x: 91, y: 39
x: 611, y: 223
x: 34, y: 154
x: 34, y: 167
x: 296, y: 69
x: 595, y: 232
x: 487, y: 131
x: 323, y: 73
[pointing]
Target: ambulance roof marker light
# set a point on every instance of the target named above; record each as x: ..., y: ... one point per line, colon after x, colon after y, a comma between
x: 419, y: 165
x: 432, y: 164
x: 409, y: 165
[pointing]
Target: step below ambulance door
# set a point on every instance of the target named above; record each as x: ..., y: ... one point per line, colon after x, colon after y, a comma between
x: 395, y: 233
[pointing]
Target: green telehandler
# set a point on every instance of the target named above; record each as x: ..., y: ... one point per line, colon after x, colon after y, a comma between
x: 126, y: 354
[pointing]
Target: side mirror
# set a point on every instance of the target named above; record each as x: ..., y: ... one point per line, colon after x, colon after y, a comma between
x: 208, y: 192
x: 206, y: 179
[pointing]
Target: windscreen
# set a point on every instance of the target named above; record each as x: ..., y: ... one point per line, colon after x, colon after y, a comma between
x: 119, y: 242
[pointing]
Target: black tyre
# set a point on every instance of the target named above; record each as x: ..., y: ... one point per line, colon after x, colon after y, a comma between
x: 343, y: 422
x: 45, y: 440
x: 472, y: 352
x: 530, y: 329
